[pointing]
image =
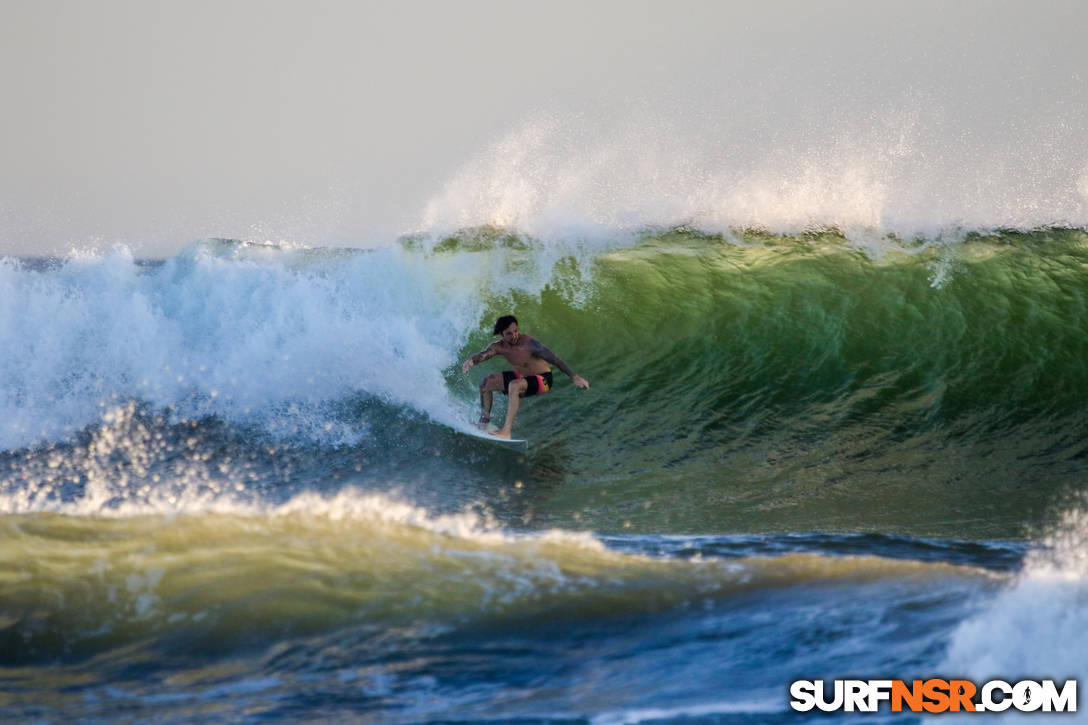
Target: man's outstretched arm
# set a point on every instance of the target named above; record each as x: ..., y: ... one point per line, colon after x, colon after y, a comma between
x: 486, y: 354
x: 547, y: 355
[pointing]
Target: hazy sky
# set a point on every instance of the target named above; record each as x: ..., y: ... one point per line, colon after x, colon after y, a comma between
x: 157, y: 123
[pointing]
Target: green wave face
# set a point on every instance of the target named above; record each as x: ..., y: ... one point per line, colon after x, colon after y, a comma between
x: 805, y: 382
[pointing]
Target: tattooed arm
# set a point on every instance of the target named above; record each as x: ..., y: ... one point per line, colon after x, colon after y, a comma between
x: 548, y: 356
x: 486, y: 354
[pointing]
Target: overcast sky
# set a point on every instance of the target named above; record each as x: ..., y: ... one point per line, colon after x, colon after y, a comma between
x: 157, y: 123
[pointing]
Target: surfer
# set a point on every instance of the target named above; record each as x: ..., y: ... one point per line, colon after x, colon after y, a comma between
x: 532, y: 373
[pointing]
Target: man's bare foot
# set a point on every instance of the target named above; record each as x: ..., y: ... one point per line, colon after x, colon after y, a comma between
x: 482, y: 425
x: 500, y: 434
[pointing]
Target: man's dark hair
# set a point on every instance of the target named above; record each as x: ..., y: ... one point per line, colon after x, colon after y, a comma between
x: 503, y: 322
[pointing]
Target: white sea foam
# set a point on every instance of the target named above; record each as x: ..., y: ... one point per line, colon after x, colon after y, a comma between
x: 113, y: 467
x: 660, y: 714
x: 1036, y: 628
x: 253, y: 335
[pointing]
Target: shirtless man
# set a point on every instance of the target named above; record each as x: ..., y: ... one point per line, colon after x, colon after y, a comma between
x: 532, y: 373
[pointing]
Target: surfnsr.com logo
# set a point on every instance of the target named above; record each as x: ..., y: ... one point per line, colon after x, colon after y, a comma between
x: 934, y: 696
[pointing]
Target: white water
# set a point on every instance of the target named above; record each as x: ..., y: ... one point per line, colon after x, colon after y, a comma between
x: 254, y: 335
x: 1036, y: 628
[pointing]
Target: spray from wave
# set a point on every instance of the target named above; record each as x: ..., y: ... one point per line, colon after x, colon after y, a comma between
x: 909, y: 171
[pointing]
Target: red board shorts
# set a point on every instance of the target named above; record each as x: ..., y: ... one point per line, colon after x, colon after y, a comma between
x: 534, y: 383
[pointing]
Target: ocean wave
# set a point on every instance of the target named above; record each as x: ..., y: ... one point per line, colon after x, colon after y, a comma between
x: 315, y: 564
x: 770, y: 362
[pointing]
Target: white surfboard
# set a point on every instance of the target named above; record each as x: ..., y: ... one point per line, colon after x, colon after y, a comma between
x: 519, y: 444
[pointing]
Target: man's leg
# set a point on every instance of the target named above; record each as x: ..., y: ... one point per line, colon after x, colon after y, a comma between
x: 513, y: 402
x: 488, y: 386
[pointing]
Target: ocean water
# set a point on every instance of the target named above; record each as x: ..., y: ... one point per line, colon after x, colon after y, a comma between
x: 231, y: 488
